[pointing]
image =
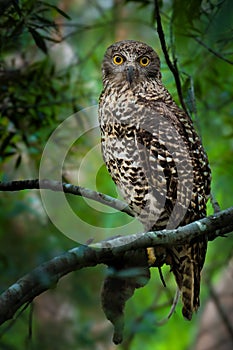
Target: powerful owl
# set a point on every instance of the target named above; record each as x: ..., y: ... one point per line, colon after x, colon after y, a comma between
x: 155, y: 157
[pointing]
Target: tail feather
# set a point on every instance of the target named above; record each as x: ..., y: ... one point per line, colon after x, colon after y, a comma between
x: 187, y: 264
x: 190, y: 288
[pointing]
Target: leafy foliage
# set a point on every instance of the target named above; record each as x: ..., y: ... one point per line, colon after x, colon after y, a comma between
x: 31, y: 89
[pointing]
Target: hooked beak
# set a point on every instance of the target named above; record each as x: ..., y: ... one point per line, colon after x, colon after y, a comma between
x: 130, y: 74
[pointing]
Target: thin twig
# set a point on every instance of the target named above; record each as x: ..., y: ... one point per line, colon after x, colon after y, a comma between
x: 161, y: 277
x: 215, y: 53
x: 214, y: 203
x: 67, y: 188
x: 172, y: 309
x: 172, y: 65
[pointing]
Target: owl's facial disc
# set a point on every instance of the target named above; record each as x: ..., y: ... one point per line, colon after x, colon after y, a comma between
x: 130, y: 62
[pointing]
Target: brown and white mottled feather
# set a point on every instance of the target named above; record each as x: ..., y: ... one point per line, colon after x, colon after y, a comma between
x: 155, y: 156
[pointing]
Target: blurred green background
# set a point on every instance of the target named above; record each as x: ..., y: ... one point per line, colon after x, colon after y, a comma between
x: 50, y: 68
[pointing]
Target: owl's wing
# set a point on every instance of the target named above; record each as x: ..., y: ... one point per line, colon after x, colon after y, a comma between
x: 166, y: 162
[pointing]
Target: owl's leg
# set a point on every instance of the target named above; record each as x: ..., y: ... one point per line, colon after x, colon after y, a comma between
x: 157, y: 257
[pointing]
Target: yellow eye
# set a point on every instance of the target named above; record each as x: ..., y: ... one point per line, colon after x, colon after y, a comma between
x: 117, y: 59
x: 144, y: 61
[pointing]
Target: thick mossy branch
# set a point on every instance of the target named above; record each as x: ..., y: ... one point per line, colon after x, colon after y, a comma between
x: 111, y: 252
x: 106, y: 252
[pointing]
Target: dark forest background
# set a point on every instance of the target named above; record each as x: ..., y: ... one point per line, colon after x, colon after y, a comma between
x: 50, y: 68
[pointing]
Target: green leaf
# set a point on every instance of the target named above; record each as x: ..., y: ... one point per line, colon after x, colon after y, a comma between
x: 39, y: 40
x: 59, y: 11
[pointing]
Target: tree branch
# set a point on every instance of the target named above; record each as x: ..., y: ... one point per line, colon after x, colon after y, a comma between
x: 49, y: 273
x: 172, y: 65
x: 67, y: 188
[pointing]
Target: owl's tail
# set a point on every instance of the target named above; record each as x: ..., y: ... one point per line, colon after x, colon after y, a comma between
x: 187, y: 271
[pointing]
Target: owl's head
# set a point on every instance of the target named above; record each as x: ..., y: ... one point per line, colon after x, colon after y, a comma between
x: 130, y: 61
